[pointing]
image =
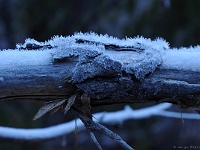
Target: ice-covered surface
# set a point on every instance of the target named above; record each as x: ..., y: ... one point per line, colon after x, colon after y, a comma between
x: 182, y: 59
x: 13, y: 58
x: 38, y: 134
x: 139, y: 42
x: 138, y: 56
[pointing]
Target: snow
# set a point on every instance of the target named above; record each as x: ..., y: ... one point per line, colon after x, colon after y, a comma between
x: 38, y: 134
x: 144, y: 57
x: 182, y: 59
x: 129, y: 113
x: 13, y: 58
x: 145, y: 63
x: 138, y: 56
x: 137, y: 41
x: 27, y: 41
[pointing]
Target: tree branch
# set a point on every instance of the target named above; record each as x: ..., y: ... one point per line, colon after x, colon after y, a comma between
x: 94, y: 126
x: 38, y: 135
x: 109, y: 70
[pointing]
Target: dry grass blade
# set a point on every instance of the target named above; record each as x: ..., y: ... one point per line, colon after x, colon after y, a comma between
x: 53, y: 111
x: 70, y: 103
x: 48, y: 107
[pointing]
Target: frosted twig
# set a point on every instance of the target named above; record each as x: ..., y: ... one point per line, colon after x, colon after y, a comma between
x: 94, y: 126
x: 32, y: 135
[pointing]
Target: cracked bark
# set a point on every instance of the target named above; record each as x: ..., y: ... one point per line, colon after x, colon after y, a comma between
x: 47, y: 82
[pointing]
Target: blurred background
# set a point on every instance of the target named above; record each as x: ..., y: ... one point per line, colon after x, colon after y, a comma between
x: 177, y: 21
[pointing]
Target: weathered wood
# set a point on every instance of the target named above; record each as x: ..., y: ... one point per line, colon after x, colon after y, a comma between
x: 161, y: 86
x: 103, y: 78
x: 35, y: 82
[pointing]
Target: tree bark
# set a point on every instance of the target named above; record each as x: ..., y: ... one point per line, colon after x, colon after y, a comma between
x: 106, y: 83
x: 43, y: 83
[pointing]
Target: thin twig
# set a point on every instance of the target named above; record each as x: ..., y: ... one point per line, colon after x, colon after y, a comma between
x: 76, y: 135
x: 95, y: 140
x: 94, y: 126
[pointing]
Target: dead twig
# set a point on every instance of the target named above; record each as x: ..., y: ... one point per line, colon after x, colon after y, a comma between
x: 95, y: 140
x: 94, y: 126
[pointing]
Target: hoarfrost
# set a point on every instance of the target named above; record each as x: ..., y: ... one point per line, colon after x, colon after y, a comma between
x: 138, y: 56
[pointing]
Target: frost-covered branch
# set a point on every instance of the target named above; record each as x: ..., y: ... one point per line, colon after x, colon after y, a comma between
x: 118, y: 117
x: 94, y: 126
x: 87, y: 70
x: 108, y: 69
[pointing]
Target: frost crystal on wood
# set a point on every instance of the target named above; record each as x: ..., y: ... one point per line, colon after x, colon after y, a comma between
x: 98, y: 54
x: 104, y: 62
x: 108, y: 67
